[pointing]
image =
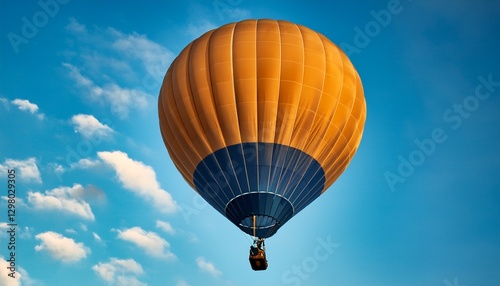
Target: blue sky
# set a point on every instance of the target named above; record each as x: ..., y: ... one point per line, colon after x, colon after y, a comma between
x: 99, y: 202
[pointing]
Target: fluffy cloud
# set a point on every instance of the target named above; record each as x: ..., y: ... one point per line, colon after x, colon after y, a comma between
x: 61, y: 248
x: 66, y: 199
x: 26, y: 105
x: 150, y: 242
x: 96, y: 237
x: 3, y: 228
x: 20, y: 277
x: 125, y: 50
x: 27, y: 169
x: 24, y: 233
x: 75, y: 27
x: 5, y: 103
x: 58, y: 168
x: 207, y: 266
x: 154, y: 57
x: 140, y: 179
x: 165, y: 226
x: 85, y: 163
x: 120, y: 99
x: 123, y: 58
x: 119, y: 271
x: 88, y: 126
x: 128, y: 281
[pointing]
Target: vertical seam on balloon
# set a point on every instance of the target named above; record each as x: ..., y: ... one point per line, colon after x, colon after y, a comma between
x: 235, y: 105
x: 330, y: 120
x: 358, y: 120
x: 311, y: 186
x: 277, y: 108
x: 327, y: 171
x: 362, y: 120
x: 164, y: 136
x: 308, y: 142
x: 226, y: 149
x: 241, y: 144
x: 324, y: 150
x: 352, y: 150
x: 209, y: 78
x: 297, y: 163
x: 188, y: 59
x: 176, y: 110
x: 191, y: 88
x: 266, y: 202
x: 274, y: 174
x: 342, y: 166
x: 259, y: 137
x: 193, y: 104
x: 296, y: 113
x: 257, y: 89
x: 215, y: 107
x: 204, y: 178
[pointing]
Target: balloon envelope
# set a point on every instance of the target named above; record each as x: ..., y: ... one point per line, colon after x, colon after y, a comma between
x: 261, y: 117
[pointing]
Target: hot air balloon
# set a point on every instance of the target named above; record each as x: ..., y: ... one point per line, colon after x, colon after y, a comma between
x: 260, y: 117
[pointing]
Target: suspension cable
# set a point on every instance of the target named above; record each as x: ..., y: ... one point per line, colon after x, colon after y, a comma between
x: 254, y: 227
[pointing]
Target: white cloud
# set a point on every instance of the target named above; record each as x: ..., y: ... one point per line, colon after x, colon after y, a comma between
x: 65, y: 199
x: 75, y: 27
x: 5, y: 103
x: 128, y: 281
x: 26, y: 280
x: 96, y: 237
x: 119, y: 271
x: 154, y: 57
x: 7, y: 280
x: 110, y: 58
x: 25, y: 169
x: 120, y: 99
x: 165, y: 226
x: 26, y: 105
x: 24, y: 233
x: 207, y: 266
x: 88, y: 126
x: 58, y: 168
x: 150, y: 242
x: 21, y: 276
x: 121, y: 57
x: 61, y: 248
x: 70, y: 230
x: 85, y: 163
x: 140, y: 179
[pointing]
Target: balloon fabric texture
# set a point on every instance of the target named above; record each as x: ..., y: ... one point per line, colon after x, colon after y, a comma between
x: 260, y: 117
